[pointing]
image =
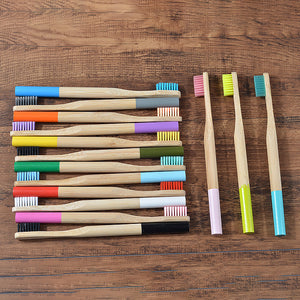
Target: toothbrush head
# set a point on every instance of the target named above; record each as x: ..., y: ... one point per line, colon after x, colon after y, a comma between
x: 198, y: 86
x: 259, y: 83
x: 227, y: 84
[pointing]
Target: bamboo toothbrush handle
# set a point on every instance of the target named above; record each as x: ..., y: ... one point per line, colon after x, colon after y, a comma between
x: 85, y: 105
x: 87, y: 155
x: 85, y: 92
x: 87, y: 142
x: 109, y: 117
x: 113, y: 192
x: 274, y: 165
x: 241, y: 161
x: 211, y: 163
x: 86, y: 231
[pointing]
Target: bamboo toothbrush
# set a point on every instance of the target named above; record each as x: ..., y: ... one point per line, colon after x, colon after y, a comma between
x: 263, y: 89
x: 106, y: 179
x: 230, y: 87
x: 108, y: 230
x: 88, y: 167
x: 201, y: 87
x: 91, y: 192
x: 102, y: 129
x: 179, y: 214
x: 30, y: 104
x: 86, y: 142
x: 89, y: 92
x: 111, y: 154
x: 91, y: 117
x: 31, y: 204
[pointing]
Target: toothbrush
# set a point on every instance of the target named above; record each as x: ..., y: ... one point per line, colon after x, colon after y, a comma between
x: 108, y: 230
x: 88, y: 167
x: 201, y: 87
x: 230, y: 87
x: 106, y: 179
x: 91, y: 117
x: 263, y: 88
x: 98, y: 217
x: 102, y: 129
x: 90, y: 192
x: 89, y: 92
x: 31, y: 204
x: 86, y: 142
x: 30, y: 104
x: 111, y: 154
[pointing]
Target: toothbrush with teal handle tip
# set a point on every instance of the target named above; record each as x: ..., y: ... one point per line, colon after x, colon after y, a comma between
x: 231, y: 88
x: 89, y: 92
x: 263, y: 89
x: 201, y: 87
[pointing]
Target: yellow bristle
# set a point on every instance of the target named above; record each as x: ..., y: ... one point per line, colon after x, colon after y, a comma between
x: 168, y: 136
x: 227, y: 84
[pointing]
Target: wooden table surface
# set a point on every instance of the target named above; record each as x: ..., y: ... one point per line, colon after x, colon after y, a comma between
x: 133, y: 45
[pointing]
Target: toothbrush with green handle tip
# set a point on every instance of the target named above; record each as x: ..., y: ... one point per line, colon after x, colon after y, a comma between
x: 230, y: 87
x: 263, y: 89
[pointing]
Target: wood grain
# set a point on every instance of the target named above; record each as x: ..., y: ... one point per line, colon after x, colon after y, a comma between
x: 133, y: 45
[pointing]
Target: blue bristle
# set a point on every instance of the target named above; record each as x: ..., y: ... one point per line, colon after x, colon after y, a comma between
x: 171, y: 160
x: 259, y: 83
x: 168, y: 86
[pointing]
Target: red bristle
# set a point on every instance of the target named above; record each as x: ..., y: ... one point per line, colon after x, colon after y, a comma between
x: 198, y: 86
x: 171, y: 185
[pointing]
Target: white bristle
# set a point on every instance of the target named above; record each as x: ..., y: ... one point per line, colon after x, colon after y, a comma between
x: 175, y: 211
x: 168, y: 111
x: 26, y: 201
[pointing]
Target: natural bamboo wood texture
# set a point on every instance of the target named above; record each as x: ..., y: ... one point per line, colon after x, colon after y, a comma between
x: 272, y: 147
x: 132, y: 45
x: 209, y: 140
x: 239, y: 136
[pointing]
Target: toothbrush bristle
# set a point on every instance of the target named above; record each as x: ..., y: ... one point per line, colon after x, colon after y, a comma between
x: 24, y: 227
x: 259, y: 84
x: 175, y: 211
x: 171, y: 185
x: 171, y: 160
x: 20, y: 126
x: 28, y: 151
x: 28, y: 176
x: 169, y: 86
x: 26, y: 201
x: 168, y: 111
x: 168, y: 136
x: 26, y: 100
x: 227, y: 84
x: 198, y: 86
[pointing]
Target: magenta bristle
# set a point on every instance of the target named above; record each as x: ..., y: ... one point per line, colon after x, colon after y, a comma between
x: 21, y: 126
x: 175, y: 211
x: 198, y: 86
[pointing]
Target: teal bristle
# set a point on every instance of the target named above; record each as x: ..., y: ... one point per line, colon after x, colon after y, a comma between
x: 168, y: 86
x: 259, y: 83
x: 171, y: 160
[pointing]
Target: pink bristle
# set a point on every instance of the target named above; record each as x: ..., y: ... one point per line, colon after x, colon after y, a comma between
x: 198, y: 86
x: 20, y: 126
x: 175, y: 211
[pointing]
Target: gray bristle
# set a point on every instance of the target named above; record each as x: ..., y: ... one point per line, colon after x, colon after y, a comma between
x: 26, y: 100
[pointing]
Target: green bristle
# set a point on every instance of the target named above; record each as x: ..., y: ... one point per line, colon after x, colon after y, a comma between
x: 259, y: 83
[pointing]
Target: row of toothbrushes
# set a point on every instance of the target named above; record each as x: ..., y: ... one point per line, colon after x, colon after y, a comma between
x: 28, y: 188
x: 230, y: 88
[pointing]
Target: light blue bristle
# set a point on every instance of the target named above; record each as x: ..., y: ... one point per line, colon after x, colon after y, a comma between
x: 28, y: 176
x: 259, y: 83
x: 171, y: 160
x: 167, y: 86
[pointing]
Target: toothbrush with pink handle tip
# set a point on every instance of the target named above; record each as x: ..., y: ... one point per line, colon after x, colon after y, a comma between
x: 201, y: 88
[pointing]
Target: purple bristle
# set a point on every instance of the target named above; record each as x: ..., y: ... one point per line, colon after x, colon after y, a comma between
x: 20, y: 126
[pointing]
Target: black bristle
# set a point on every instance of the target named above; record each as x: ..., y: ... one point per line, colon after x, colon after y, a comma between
x: 26, y: 100
x: 25, y: 227
x: 28, y: 151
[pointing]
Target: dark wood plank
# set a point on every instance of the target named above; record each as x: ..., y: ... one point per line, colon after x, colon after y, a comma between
x: 133, y: 45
